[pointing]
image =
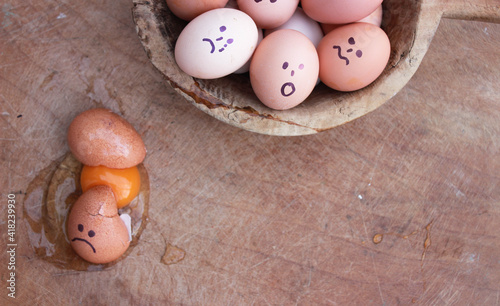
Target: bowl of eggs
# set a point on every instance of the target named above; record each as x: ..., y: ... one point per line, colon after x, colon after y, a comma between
x: 292, y: 67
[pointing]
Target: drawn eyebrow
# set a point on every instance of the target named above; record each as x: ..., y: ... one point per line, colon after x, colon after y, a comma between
x: 340, y: 55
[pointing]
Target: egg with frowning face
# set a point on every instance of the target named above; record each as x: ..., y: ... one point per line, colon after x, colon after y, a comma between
x: 95, y: 230
x: 216, y: 43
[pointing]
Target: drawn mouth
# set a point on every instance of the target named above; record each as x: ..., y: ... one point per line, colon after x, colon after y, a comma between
x: 81, y: 239
x: 208, y: 40
x: 340, y: 55
x: 287, y: 89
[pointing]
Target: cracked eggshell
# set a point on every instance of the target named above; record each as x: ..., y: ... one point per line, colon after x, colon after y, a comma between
x: 95, y: 230
x: 99, y: 137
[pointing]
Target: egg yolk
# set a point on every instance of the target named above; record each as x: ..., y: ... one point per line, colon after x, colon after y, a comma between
x: 125, y: 183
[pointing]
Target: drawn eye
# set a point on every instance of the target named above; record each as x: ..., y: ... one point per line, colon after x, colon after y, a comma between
x: 351, y: 41
x: 80, y: 227
x: 91, y: 233
x: 359, y: 53
x: 285, y: 65
x: 301, y: 66
x: 222, y: 28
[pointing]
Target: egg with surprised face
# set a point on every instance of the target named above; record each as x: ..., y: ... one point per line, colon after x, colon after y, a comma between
x: 95, y: 230
x: 216, y: 43
x: 284, y: 69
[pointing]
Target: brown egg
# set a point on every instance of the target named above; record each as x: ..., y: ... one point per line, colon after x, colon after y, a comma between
x: 99, y: 137
x: 95, y: 230
x: 189, y: 9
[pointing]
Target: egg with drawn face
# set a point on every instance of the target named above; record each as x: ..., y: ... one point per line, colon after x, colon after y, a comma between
x: 269, y: 14
x: 95, y: 230
x: 284, y: 69
x: 216, y: 43
x: 353, y: 56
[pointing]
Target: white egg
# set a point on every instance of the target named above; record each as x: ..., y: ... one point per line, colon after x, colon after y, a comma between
x: 304, y: 24
x: 216, y: 43
x: 245, y: 68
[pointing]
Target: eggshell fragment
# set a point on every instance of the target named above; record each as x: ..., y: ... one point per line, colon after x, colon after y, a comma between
x: 95, y: 230
x: 99, y: 137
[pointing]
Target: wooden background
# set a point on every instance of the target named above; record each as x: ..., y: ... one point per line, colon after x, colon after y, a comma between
x: 263, y: 219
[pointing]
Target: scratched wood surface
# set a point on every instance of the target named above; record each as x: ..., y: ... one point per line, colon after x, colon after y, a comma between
x: 400, y: 206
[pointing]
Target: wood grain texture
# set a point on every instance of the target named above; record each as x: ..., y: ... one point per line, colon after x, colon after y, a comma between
x: 263, y: 220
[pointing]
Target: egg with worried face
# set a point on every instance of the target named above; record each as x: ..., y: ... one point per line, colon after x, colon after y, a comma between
x: 353, y: 56
x: 95, y: 230
x: 284, y: 69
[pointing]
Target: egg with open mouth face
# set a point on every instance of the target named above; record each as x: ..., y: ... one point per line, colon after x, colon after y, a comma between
x: 284, y: 69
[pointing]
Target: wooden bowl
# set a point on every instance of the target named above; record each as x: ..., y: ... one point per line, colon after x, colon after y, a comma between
x: 410, y: 25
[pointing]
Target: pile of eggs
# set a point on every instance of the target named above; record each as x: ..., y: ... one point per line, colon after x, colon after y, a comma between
x: 286, y: 46
x: 110, y: 149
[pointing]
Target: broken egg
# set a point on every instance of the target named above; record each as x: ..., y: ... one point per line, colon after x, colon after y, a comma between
x: 95, y: 230
x: 125, y: 183
x: 99, y: 137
